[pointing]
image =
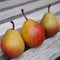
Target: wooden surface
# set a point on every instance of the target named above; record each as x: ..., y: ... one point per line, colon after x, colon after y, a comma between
x: 49, y: 50
x: 35, y: 9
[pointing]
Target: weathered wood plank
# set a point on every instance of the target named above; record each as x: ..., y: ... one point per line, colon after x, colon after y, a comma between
x: 28, y: 7
x: 48, y: 49
x: 37, y: 15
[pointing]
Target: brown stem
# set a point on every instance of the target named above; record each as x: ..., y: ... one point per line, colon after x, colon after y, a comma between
x: 13, y: 25
x: 24, y: 14
x: 49, y: 7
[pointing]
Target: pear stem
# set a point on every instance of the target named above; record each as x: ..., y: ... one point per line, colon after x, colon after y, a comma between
x: 24, y: 14
x: 49, y: 7
x: 13, y: 25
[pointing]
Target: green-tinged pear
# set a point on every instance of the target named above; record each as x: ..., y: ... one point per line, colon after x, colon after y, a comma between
x: 50, y: 23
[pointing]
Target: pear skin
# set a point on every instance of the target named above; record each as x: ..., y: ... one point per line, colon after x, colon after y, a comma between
x: 33, y: 33
x: 59, y: 25
x: 50, y: 24
x: 12, y: 43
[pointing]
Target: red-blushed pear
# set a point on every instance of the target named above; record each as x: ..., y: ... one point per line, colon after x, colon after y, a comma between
x: 12, y: 43
x: 50, y: 23
x: 32, y: 32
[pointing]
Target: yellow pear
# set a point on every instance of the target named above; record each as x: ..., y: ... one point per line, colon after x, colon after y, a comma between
x: 50, y: 23
x: 59, y: 26
x: 12, y: 43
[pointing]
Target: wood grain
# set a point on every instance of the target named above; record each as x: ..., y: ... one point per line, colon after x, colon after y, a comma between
x: 47, y: 50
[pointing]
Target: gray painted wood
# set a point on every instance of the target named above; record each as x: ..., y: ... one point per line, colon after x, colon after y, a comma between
x: 10, y: 10
x: 47, y: 51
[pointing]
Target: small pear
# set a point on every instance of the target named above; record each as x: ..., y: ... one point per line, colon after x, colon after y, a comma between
x: 32, y: 32
x: 50, y: 23
x: 59, y: 26
x: 12, y: 43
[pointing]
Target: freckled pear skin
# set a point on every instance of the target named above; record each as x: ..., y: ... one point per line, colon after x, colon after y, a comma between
x: 33, y: 33
x: 50, y: 24
x: 12, y: 43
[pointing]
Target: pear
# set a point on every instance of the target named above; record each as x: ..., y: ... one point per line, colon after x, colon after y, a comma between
x: 12, y: 43
x: 50, y: 23
x: 32, y: 32
x: 59, y: 26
